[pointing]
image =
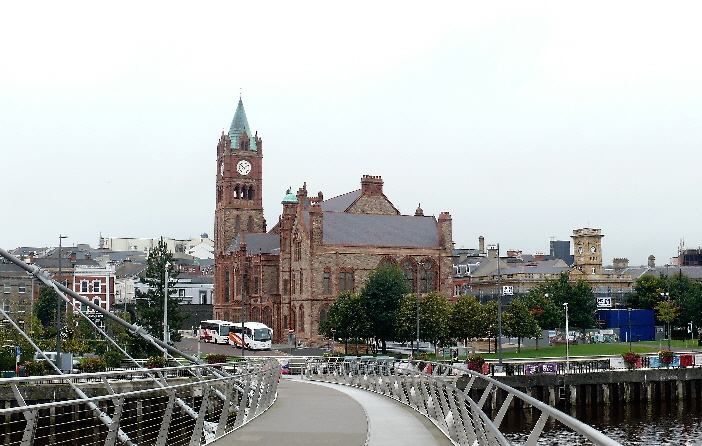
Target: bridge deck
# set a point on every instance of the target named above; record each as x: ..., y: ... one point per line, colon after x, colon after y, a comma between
x: 323, y: 414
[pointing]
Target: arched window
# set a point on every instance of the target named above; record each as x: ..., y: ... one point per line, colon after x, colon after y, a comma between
x: 302, y: 318
x: 250, y: 224
x: 236, y: 192
x: 426, y: 277
x: 323, y: 314
x: 256, y: 314
x: 408, y: 271
x: 293, y: 320
x: 250, y: 193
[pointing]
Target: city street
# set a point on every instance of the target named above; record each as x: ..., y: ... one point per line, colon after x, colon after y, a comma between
x: 189, y: 345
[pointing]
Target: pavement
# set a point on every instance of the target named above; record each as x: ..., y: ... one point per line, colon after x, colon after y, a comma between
x: 314, y: 413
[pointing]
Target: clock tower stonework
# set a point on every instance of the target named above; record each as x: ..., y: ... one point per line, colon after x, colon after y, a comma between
x: 587, y: 250
x: 239, y: 185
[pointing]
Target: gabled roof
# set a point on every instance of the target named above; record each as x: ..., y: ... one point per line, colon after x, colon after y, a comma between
x: 239, y: 125
x: 342, y: 228
x: 340, y: 203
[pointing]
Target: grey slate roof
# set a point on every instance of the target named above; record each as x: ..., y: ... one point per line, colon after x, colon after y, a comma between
x: 257, y: 243
x: 341, y: 202
x: 342, y: 228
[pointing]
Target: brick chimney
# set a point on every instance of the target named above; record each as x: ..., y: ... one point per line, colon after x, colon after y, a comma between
x: 372, y: 185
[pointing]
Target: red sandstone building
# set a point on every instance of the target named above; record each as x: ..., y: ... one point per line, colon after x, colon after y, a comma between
x: 289, y: 276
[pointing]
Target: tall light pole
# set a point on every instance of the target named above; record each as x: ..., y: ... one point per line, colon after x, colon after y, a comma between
x: 165, y: 306
x: 58, y: 306
x: 666, y: 296
x: 565, y: 305
x: 499, y: 308
x: 243, y: 313
x: 629, y: 311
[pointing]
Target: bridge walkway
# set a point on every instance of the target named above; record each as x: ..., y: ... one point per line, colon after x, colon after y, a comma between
x: 323, y: 414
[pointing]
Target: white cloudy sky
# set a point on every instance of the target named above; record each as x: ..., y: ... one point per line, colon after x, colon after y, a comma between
x: 524, y: 120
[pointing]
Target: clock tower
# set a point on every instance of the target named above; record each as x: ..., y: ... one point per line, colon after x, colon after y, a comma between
x: 587, y: 250
x: 239, y: 185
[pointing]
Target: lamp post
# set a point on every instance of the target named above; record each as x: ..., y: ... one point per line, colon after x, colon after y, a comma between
x: 243, y: 313
x: 499, y: 309
x: 565, y: 305
x: 58, y: 306
x: 666, y: 296
x: 629, y: 334
x: 165, y: 306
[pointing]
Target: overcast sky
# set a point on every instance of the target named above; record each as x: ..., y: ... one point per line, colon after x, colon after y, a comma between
x: 524, y: 120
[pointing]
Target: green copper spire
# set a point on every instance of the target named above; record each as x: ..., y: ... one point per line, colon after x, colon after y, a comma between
x: 239, y: 125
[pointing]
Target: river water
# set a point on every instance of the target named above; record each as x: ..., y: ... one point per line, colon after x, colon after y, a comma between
x: 660, y: 423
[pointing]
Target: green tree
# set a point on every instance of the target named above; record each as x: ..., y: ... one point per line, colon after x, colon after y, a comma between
x: 542, y: 305
x: 520, y: 322
x: 490, y: 327
x: 381, y: 295
x: 579, y: 296
x: 406, y: 319
x: 647, y: 292
x: 434, y: 319
x: 465, y: 319
x: 150, y: 303
x: 347, y: 316
x: 45, y: 307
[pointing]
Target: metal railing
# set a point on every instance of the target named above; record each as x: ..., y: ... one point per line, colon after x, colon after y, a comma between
x: 428, y: 388
x: 189, y: 405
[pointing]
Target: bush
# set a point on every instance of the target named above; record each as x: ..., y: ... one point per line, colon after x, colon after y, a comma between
x: 153, y: 362
x: 215, y: 358
x: 666, y: 357
x: 92, y: 365
x: 113, y: 358
x: 631, y: 358
x: 35, y: 368
x: 475, y: 363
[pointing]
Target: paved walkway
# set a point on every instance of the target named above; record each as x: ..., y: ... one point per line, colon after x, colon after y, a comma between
x: 313, y: 413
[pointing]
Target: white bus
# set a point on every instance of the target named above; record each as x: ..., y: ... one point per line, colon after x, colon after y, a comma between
x: 257, y: 336
x: 215, y: 331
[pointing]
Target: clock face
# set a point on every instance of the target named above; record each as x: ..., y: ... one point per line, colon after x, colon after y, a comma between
x: 243, y: 167
x: 593, y: 249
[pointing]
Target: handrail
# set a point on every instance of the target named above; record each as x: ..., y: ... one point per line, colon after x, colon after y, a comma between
x: 428, y: 388
x: 247, y: 391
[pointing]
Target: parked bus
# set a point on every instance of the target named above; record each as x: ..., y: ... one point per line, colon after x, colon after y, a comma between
x: 257, y: 336
x: 215, y: 331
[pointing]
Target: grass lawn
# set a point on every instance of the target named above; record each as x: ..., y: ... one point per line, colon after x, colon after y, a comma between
x: 576, y: 350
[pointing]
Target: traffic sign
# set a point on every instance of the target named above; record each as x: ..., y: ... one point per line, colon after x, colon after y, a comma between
x: 291, y: 331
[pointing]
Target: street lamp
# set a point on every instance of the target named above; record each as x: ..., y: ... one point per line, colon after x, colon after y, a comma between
x: 58, y: 306
x: 629, y: 334
x: 499, y: 308
x: 165, y: 306
x: 666, y: 296
x: 565, y: 305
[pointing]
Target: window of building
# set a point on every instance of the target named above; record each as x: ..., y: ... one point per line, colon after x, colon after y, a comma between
x: 408, y: 270
x: 96, y: 286
x: 301, y: 282
x: 346, y: 280
x: 181, y: 292
x: 426, y: 278
x: 286, y: 286
x: 21, y: 288
x: 6, y: 306
x: 84, y: 286
x: 256, y: 285
x: 226, y: 292
x: 298, y: 250
x: 456, y: 290
x: 327, y: 284
x: 203, y: 296
x: 302, y: 319
x: 7, y: 288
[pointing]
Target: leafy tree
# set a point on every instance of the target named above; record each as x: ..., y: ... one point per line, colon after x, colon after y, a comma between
x: 381, y: 296
x: 465, y: 319
x: 45, y: 307
x: 647, y: 292
x: 667, y: 312
x: 542, y: 305
x: 582, y: 305
x: 519, y: 322
x: 150, y: 303
x: 347, y: 316
x: 490, y: 326
x: 579, y: 296
x: 406, y: 319
x: 434, y: 318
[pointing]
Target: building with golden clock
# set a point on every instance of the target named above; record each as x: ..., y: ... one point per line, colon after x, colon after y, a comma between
x: 288, y: 277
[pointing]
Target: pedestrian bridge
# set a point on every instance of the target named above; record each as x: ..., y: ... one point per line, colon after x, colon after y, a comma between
x: 375, y: 401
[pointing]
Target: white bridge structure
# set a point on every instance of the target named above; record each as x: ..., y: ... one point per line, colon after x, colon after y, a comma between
x: 191, y: 403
